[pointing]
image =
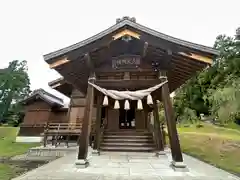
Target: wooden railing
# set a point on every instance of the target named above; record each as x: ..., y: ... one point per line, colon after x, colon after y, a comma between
x: 63, y: 131
x: 59, y: 130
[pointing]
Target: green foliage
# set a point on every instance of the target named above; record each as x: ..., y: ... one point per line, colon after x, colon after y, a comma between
x: 215, y: 89
x: 188, y: 115
x: 14, y: 87
x: 225, y: 102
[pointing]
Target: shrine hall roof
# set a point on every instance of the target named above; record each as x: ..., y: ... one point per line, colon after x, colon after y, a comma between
x: 126, y: 21
x: 62, y: 86
x: 45, y: 96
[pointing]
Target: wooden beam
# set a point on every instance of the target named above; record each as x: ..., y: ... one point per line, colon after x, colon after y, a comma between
x: 58, y: 63
x: 157, y: 127
x: 197, y: 57
x: 89, y: 61
x: 171, y: 125
x: 97, y: 139
x: 126, y: 32
x: 86, y: 127
x: 145, y: 47
x: 55, y: 85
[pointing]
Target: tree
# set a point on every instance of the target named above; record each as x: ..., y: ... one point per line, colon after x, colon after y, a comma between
x: 14, y: 87
x: 210, y: 90
x: 226, y: 102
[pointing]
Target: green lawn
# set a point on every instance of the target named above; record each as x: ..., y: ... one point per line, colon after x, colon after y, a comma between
x: 9, y: 148
x: 215, y: 145
x: 6, y: 172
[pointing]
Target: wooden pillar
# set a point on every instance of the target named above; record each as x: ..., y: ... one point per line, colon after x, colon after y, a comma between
x: 86, y: 126
x: 171, y: 126
x: 164, y: 135
x: 98, y: 123
x: 157, y: 127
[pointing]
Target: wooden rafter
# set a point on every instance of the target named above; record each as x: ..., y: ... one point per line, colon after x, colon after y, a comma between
x: 59, y: 63
x: 197, y: 57
x: 145, y: 48
x: 126, y: 32
x: 55, y: 85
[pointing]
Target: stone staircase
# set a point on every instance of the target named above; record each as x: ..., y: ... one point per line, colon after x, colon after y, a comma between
x: 128, y: 141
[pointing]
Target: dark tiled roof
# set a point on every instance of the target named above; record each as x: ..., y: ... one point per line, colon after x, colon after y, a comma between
x: 55, y: 81
x: 45, y: 96
x: 135, y: 25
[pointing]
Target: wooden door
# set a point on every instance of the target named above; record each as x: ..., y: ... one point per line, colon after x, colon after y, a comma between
x: 140, y: 119
x: 113, y: 119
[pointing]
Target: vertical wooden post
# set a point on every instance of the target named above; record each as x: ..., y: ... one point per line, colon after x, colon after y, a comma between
x: 172, y: 129
x: 160, y: 146
x: 86, y: 126
x: 98, y: 123
x: 164, y: 135
x: 69, y: 110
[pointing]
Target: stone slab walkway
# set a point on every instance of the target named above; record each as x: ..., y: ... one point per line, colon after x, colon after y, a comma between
x: 123, y: 166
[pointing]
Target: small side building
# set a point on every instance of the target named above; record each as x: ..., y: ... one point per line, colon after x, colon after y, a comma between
x: 40, y: 108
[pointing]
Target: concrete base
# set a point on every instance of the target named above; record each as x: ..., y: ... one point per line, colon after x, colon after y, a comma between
x: 95, y: 152
x: 160, y: 153
x: 81, y: 163
x: 179, y: 166
x: 29, y: 139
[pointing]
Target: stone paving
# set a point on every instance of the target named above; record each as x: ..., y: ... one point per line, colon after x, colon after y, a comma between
x: 123, y: 166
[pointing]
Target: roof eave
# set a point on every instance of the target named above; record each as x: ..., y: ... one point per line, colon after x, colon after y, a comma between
x: 140, y: 27
x: 56, y: 81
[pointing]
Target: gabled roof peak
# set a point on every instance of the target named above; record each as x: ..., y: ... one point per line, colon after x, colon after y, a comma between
x: 118, y: 20
x: 46, y: 96
x: 131, y: 22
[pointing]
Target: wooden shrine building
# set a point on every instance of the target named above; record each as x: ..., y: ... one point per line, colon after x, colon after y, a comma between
x: 40, y: 108
x: 126, y: 57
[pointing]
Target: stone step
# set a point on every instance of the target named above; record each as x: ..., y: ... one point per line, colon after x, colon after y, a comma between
x: 128, y: 149
x: 127, y: 144
x: 131, y: 133
x: 131, y: 140
x: 126, y: 137
x: 127, y: 141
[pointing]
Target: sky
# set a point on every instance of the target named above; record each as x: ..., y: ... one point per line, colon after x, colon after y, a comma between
x: 31, y: 28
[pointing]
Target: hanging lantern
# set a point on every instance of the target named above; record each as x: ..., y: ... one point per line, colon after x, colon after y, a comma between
x: 126, y: 105
x: 149, y: 100
x: 105, y: 101
x: 139, y: 104
x: 116, y: 104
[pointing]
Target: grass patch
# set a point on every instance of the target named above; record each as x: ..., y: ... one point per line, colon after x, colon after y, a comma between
x: 211, y: 130
x: 215, y: 145
x: 6, y: 172
x: 8, y: 146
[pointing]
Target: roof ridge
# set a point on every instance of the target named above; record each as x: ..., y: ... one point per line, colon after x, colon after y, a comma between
x: 50, y: 94
x: 133, y: 24
x: 41, y: 91
x: 55, y: 81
